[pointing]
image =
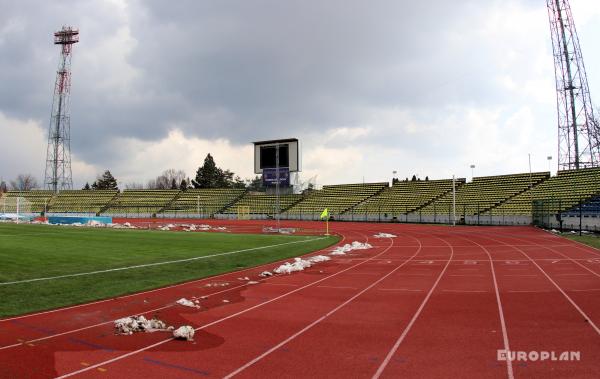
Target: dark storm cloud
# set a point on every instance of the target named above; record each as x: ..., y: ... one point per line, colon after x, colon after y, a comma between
x: 241, y: 70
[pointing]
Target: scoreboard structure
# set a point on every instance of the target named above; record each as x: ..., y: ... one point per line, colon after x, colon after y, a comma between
x: 277, y: 161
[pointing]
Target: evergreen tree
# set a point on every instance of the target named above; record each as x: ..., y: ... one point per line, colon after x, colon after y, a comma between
x: 105, y: 182
x: 211, y: 176
x: 427, y: 178
x: 414, y: 178
x: 207, y: 174
x: 255, y: 184
x: 238, y: 183
x: 173, y: 184
x: 87, y: 187
x: 183, y: 185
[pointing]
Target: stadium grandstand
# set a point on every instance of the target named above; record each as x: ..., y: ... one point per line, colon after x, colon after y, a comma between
x: 264, y: 204
x: 73, y: 201
x: 205, y: 201
x: 139, y: 203
x: 336, y: 198
x: 405, y: 197
x: 484, y: 193
x: 513, y: 199
x: 559, y: 193
x: 38, y: 199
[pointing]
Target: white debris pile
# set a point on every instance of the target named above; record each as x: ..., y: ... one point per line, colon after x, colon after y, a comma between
x: 252, y: 282
x: 96, y: 224
x: 188, y: 303
x: 299, y: 264
x: 223, y: 284
x: 342, y: 250
x: 319, y: 258
x: 385, y: 235
x: 167, y: 227
x: 184, y: 332
x: 270, y: 229
x: 201, y: 227
x: 244, y: 278
x: 134, y: 324
x: 265, y: 274
x: 119, y: 226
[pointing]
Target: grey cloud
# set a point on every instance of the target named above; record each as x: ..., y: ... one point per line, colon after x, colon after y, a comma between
x: 245, y: 70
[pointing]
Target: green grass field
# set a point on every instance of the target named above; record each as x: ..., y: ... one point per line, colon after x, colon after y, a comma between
x: 591, y: 240
x: 40, y: 251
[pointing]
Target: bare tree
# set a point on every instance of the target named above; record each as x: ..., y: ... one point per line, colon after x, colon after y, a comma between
x: 166, y: 179
x: 24, y: 182
x: 134, y: 186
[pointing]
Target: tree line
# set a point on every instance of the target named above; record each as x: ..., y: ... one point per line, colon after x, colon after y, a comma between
x: 209, y: 175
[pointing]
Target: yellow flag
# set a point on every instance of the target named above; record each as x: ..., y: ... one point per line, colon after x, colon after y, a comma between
x: 325, y: 213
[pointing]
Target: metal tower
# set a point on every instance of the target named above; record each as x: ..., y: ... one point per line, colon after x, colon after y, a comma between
x: 58, y: 156
x: 578, y: 133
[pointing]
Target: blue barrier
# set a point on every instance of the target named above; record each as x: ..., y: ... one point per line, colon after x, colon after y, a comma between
x: 80, y: 220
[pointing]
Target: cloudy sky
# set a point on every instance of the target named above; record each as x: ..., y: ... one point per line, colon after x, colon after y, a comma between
x: 369, y: 87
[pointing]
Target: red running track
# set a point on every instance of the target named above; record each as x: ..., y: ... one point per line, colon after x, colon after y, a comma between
x: 435, y: 302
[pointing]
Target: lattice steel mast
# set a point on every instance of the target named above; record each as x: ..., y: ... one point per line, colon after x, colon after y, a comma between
x: 578, y: 133
x: 58, y: 156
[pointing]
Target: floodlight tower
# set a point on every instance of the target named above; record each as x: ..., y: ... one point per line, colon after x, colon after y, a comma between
x: 58, y: 156
x: 578, y: 133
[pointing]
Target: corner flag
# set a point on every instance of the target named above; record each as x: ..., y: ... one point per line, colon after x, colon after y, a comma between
x: 325, y: 213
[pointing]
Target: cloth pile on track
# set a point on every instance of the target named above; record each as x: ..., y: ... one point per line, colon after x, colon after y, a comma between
x: 167, y: 227
x: 201, y: 227
x: 342, y: 250
x: 384, y: 235
x: 264, y: 274
x: 134, y: 324
x: 184, y: 332
x: 117, y: 226
x: 299, y: 264
x: 187, y: 303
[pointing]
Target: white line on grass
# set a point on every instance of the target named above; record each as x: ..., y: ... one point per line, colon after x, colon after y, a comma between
x: 158, y: 263
x: 126, y: 355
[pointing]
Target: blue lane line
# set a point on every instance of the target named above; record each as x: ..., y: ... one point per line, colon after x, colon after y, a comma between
x: 32, y: 327
x: 89, y: 344
x: 169, y: 365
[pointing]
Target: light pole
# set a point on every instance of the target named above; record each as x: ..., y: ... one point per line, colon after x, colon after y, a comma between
x: 549, y: 163
x: 472, y: 171
x: 530, y: 176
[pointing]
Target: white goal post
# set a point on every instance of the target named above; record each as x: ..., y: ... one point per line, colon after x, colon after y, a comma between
x: 15, y: 209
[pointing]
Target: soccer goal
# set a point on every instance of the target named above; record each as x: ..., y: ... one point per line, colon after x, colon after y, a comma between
x: 15, y: 209
x: 243, y: 212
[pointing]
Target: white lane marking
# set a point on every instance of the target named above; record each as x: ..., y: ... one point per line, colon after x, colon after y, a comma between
x: 129, y: 315
x: 214, y: 322
x: 509, y: 368
x: 414, y: 318
x: 154, y: 290
x: 581, y: 312
x: 158, y: 263
x: 319, y: 320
